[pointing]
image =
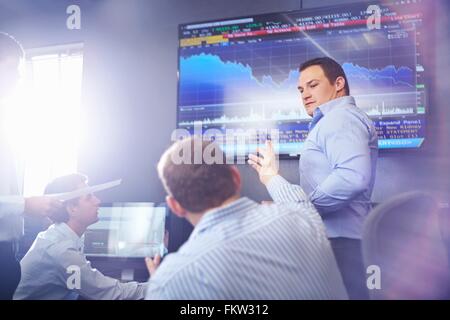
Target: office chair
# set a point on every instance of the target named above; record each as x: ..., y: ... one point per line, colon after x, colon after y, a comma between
x: 402, y: 238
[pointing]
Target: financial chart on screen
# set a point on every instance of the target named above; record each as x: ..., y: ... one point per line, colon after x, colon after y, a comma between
x: 240, y: 75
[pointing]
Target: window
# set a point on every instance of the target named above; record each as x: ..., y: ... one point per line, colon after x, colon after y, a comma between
x: 45, y: 125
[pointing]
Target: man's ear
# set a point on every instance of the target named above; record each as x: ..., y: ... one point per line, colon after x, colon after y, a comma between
x: 236, y: 178
x: 340, y: 84
x: 70, y: 209
x: 175, y: 207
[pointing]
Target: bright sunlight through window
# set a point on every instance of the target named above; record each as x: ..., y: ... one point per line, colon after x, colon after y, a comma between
x: 45, y: 121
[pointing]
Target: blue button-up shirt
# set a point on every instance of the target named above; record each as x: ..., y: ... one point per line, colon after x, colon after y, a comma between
x: 337, y: 167
x: 250, y: 251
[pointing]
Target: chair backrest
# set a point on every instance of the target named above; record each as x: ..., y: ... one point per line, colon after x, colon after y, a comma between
x: 402, y: 237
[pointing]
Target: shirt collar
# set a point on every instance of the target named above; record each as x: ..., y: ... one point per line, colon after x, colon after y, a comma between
x: 317, y: 113
x: 330, y: 105
x: 215, y: 216
x: 70, y: 234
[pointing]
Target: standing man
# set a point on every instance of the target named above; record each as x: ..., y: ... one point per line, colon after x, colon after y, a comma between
x: 12, y: 206
x: 337, y: 165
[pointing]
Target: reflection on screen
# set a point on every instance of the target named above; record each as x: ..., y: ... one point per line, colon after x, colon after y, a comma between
x: 132, y: 230
x: 240, y: 75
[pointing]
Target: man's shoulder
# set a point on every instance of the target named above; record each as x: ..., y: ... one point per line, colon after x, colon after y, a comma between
x: 344, y: 111
x: 53, y: 242
x: 47, y: 250
x: 345, y: 116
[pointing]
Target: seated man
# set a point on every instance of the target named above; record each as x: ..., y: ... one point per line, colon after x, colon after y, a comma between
x: 239, y: 249
x: 49, y: 267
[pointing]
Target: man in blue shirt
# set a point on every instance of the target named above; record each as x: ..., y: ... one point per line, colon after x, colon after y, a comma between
x: 337, y: 164
x: 239, y: 249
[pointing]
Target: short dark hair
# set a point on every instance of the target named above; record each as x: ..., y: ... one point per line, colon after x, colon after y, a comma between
x: 330, y: 67
x: 10, y: 47
x: 196, y: 187
x: 64, y: 184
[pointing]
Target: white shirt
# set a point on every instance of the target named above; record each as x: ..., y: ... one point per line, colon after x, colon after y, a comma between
x: 45, y: 271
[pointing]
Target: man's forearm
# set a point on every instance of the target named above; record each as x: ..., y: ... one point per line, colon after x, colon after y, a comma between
x: 282, y: 190
x: 336, y: 192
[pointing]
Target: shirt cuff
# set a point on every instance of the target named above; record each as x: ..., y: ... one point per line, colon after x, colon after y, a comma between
x: 12, y: 205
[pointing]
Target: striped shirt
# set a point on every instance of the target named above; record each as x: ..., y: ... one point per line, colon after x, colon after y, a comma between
x: 246, y: 251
